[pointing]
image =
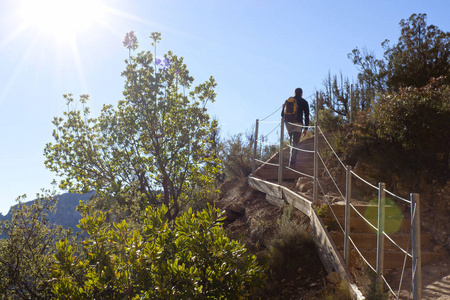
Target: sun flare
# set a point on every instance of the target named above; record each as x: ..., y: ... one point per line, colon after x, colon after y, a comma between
x: 62, y: 19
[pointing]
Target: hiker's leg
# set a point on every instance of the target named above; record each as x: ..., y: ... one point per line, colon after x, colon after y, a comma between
x: 295, y: 142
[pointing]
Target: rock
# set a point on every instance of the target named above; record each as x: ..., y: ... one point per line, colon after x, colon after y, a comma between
x: 437, y: 248
x: 333, y: 278
x: 234, y: 212
x: 304, y: 185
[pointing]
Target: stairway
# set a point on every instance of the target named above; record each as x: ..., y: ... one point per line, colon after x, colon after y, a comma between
x: 365, y: 237
x: 305, y: 163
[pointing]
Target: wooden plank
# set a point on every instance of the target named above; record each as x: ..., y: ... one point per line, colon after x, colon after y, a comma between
x: 266, y: 187
x: 274, y: 200
x: 327, y: 249
x: 297, y: 201
x: 328, y: 253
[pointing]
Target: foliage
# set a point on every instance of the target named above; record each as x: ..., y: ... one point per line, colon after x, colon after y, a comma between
x: 412, y: 125
x: 293, y: 258
x: 189, y: 258
x: 418, y: 119
x: 375, y: 289
x: 328, y: 121
x: 335, y: 96
x: 130, y: 42
x: 237, y: 154
x: 26, y: 252
x: 321, y: 210
x: 422, y: 52
x: 155, y: 145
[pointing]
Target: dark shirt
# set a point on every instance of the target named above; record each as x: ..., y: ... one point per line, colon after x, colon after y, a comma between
x: 303, y: 109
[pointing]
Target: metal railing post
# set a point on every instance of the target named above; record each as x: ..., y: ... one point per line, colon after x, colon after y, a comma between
x: 348, y: 193
x: 316, y: 149
x: 380, y: 236
x: 255, y: 146
x: 280, y: 155
x: 416, y: 251
x: 352, y: 108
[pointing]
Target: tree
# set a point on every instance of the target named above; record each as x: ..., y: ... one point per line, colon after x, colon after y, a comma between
x: 156, y: 145
x: 130, y: 42
x: 418, y: 120
x: 190, y: 258
x: 422, y: 53
x: 26, y: 251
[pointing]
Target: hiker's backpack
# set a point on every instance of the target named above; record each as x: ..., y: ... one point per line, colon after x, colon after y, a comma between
x: 290, y: 110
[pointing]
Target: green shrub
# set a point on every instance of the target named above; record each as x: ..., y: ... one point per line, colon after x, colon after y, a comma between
x: 190, y: 258
x: 26, y: 250
x: 292, y: 258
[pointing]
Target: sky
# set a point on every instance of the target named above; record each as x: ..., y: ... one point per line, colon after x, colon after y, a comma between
x: 258, y: 51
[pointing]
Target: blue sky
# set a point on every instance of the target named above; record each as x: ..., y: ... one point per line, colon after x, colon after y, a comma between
x: 258, y: 52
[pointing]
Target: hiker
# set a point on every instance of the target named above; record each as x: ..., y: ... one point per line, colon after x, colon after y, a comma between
x: 293, y: 110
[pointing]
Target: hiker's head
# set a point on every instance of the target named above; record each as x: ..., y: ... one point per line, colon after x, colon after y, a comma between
x: 298, y: 92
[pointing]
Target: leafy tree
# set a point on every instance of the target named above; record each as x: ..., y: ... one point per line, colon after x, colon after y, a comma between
x: 155, y: 145
x: 422, y: 53
x: 190, y: 258
x: 130, y: 42
x: 411, y: 125
x: 418, y: 119
x: 26, y: 252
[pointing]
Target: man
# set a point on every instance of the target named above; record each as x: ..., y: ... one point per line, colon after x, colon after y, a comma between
x: 293, y: 111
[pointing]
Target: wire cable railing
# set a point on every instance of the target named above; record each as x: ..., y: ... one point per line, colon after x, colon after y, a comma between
x: 407, y: 254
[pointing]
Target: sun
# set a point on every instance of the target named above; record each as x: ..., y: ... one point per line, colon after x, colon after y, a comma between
x: 63, y: 20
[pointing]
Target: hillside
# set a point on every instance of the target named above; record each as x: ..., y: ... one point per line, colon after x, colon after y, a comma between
x: 255, y: 221
x: 297, y: 272
x: 65, y: 214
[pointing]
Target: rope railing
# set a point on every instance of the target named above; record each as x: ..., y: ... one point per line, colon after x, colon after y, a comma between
x: 301, y: 125
x: 398, y: 197
x: 300, y: 173
x: 301, y: 150
x: 266, y: 143
x: 360, y: 254
x: 266, y: 163
x: 331, y: 177
x: 331, y: 209
x: 331, y: 148
x: 362, y: 217
x: 395, y: 244
x: 365, y: 181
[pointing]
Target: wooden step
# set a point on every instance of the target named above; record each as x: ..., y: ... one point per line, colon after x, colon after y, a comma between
x: 366, y: 210
x: 369, y: 241
x: 392, y: 260
x: 358, y: 225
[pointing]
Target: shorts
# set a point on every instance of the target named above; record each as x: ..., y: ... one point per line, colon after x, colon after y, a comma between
x: 291, y: 128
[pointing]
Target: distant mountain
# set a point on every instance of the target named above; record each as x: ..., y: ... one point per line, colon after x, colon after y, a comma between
x: 66, y: 213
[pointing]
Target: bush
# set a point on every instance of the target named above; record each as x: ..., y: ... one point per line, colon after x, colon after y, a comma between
x: 190, y: 258
x: 236, y: 155
x: 26, y: 250
x: 292, y: 258
x: 328, y: 121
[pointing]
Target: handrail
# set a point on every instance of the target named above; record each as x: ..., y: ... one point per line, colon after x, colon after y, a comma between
x: 351, y: 172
